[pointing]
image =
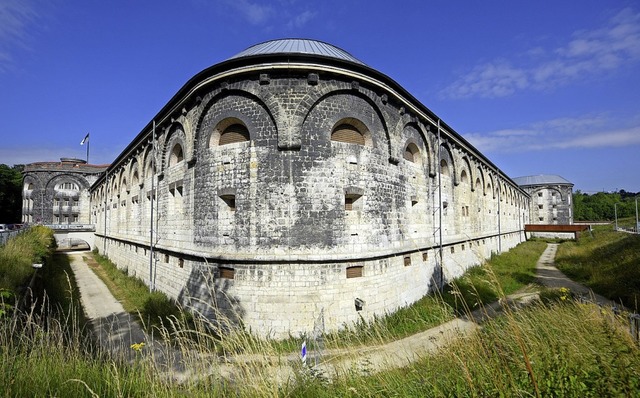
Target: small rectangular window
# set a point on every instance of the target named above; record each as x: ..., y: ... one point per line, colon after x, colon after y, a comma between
x: 407, y: 261
x: 354, y: 271
x: 166, y: 258
x: 352, y: 202
x: 227, y: 273
x: 425, y: 256
x: 230, y: 201
x: 181, y: 262
x: 453, y: 249
x: 348, y: 203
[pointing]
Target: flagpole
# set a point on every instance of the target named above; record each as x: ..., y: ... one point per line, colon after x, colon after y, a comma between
x: 88, y: 143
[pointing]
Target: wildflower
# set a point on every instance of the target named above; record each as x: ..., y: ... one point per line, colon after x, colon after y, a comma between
x: 137, y: 347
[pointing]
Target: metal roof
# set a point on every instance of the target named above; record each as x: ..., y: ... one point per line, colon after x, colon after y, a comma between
x: 298, y: 46
x: 541, y: 179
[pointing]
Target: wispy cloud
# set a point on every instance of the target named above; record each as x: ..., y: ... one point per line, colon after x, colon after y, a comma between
x: 301, y: 19
x: 585, y: 54
x: 284, y: 13
x: 15, y: 17
x: 562, y: 133
x: 253, y: 12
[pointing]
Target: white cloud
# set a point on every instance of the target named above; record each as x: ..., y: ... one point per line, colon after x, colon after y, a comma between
x: 253, y: 12
x: 301, y: 19
x: 587, y: 53
x: 15, y: 17
x: 562, y: 133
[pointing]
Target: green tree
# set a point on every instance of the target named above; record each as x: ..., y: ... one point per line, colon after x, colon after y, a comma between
x: 601, y: 206
x: 10, y: 193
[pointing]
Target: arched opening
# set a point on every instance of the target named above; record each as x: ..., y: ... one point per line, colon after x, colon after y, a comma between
x: 176, y: 155
x: 412, y: 153
x: 233, y: 134
x: 350, y: 131
x: 463, y: 177
x: 444, y: 167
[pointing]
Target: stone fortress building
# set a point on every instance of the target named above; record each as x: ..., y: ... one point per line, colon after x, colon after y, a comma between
x: 58, y: 192
x: 551, y: 197
x: 289, y: 184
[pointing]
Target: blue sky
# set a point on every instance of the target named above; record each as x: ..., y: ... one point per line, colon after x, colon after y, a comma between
x: 540, y: 87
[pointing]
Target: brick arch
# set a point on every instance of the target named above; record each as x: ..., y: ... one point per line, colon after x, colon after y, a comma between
x: 175, y: 135
x: 82, y: 183
x: 447, y: 155
x: 423, y: 144
x: 147, y: 161
x: 201, y: 137
x: 472, y: 180
x: 312, y: 100
x: 135, y: 176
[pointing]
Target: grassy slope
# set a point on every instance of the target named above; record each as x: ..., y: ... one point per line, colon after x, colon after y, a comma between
x: 608, y: 262
x: 564, y: 349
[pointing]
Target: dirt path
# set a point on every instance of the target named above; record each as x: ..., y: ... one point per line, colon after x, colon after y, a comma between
x: 115, y: 329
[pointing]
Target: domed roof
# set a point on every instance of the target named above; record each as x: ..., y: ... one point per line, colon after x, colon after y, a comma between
x: 298, y: 46
x: 542, y: 179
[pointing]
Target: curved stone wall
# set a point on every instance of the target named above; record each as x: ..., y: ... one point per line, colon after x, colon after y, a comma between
x: 276, y: 190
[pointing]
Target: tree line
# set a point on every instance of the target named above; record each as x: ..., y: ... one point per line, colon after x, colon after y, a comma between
x: 601, y: 206
x: 10, y: 194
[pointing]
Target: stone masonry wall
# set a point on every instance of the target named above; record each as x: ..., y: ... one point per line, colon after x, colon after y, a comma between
x: 283, y: 226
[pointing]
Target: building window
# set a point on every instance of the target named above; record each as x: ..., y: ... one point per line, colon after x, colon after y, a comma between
x: 354, y: 271
x: 181, y: 262
x: 407, y: 261
x: 540, y: 207
x: 444, y: 167
x: 230, y: 201
x: 176, y: 156
x: 227, y: 273
x: 350, y: 131
x: 412, y: 153
x: 453, y: 249
x: 425, y: 256
x: 233, y: 134
x: 352, y: 201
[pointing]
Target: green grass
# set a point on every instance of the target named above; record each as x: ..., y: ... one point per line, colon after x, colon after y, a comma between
x: 502, y: 275
x: 34, y: 245
x: 563, y: 349
x: 608, y: 262
x: 154, y: 308
x: 560, y: 350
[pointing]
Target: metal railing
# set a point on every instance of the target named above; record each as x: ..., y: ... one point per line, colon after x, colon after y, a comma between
x: 6, y: 235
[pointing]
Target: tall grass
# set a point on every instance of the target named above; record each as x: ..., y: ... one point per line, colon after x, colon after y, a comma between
x: 19, y: 253
x: 559, y: 349
x: 153, y: 308
x: 607, y: 261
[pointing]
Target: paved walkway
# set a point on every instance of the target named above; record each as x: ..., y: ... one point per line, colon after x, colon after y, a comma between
x: 116, y: 331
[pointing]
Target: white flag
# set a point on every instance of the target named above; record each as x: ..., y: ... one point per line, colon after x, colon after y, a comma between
x: 85, y: 139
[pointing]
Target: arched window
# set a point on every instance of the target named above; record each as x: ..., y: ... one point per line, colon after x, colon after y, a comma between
x: 412, y: 153
x: 478, y: 185
x: 444, y: 167
x: 67, y: 186
x: 176, y: 156
x: 350, y: 131
x: 233, y: 134
x: 463, y: 177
